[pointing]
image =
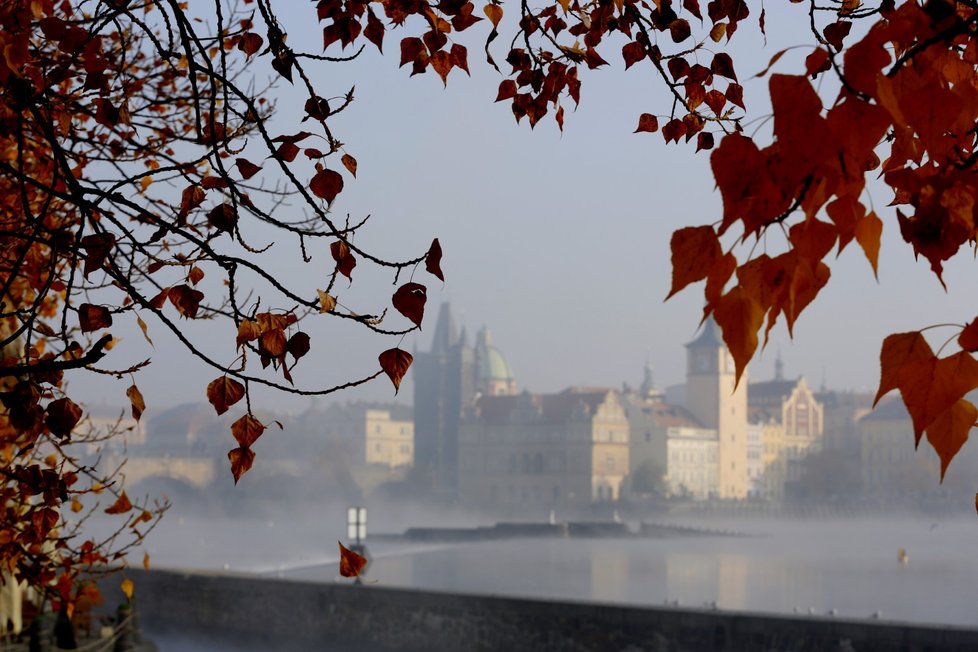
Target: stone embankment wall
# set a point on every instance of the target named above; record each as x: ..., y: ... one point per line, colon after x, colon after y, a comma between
x: 246, y: 612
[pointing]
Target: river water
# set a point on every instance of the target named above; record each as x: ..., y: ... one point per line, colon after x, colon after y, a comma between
x: 842, y: 568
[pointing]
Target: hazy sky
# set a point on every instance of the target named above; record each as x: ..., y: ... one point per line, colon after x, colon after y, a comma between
x: 559, y: 243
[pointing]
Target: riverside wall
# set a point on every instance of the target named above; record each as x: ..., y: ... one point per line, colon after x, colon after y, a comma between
x: 241, y: 612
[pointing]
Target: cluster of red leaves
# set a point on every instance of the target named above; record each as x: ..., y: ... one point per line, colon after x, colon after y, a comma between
x: 906, y: 111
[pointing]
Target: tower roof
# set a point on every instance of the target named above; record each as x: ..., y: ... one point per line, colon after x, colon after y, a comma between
x: 446, y: 333
x: 489, y: 362
x: 709, y: 337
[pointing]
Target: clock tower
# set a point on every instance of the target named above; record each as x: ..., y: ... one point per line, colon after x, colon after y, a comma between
x: 713, y: 400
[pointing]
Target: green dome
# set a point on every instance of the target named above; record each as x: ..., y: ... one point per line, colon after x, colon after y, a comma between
x: 491, y: 365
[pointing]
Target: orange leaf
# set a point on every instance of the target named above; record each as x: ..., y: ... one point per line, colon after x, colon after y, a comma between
x: 949, y: 431
x: 968, y: 339
x: 695, y: 249
x: 409, y: 300
x: 196, y: 275
x: 869, y: 228
x: 902, y: 356
x: 494, y: 13
x: 351, y: 563
x: 76, y: 505
x: 127, y: 587
x: 120, y: 506
x: 326, y: 301
x: 224, y: 392
x: 936, y: 386
x: 145, y: 561
x: 248, y: 331
x: 395, y: 363
x: 241, y: 461
x: 247, y: 430
x: 350, y: 163
x: 136, y: 399
x: 272, y: 343
x: 740, y: 317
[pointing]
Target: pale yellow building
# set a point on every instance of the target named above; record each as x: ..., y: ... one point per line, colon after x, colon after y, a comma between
x: 544, y: 450
x: 718, y: 403
x: 792, y: 422
x: 388, y: 438
x: 693, y: 469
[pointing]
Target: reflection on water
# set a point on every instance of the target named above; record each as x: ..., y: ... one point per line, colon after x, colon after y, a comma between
x: 849, y: 566
x: 845, y: 569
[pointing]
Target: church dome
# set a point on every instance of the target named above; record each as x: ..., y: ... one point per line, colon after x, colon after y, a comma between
x: 489, y: 362
x: 491, y: 365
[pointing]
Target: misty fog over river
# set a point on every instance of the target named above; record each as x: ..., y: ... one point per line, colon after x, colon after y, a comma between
x: 843, y: 567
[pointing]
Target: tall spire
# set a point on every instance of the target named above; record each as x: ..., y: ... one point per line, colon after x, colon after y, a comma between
x: 446, y: 334
x: 778, y: 367
x: 648, y: 384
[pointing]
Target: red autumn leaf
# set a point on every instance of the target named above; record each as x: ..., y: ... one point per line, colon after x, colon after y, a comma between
x: 345, y: 261
x: 92, y: 317
x: 195, y: 275
x: 326, y: 184
x: 411, y: 48
x: 287, y: 152
x: 136, y: 401
x: 247, y: 168
x: 374, y: 30
x: 223, y: 217
x: 836, y: 32
x: 250, y: 43
x: 968, y: 339
x: 869, y: 228
x: 186, y: 300
x: 459, y: 57
x: 740, y: 317
x: 224, y: 392
x: 903, y: 357
x: 934, y: 387
x: 679, y: 30
x: 191, y: 198
x: 695, y: 250
x: 949, y: 431
x: 432, y: 260
x: 674, y: 130
x: 120, y: 506
x: 242, y: 458
x: 442, y: 63
x: 247, y: 430
x: 395, y: 363
x: 507, y: 90
x: 647, y: 122
x: 409, y: 300
x: 704, y: 140
x: 298, y: 345
x: 817, y: 62
x: 722, y: 65
x: 63, y: 415
x: 351, y: 563
x: 632, y: 53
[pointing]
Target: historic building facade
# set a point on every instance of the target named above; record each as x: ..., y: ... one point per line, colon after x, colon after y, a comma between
x: 536, y: 451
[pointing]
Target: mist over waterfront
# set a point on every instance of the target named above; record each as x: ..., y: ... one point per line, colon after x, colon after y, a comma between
x: 829, y: 567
